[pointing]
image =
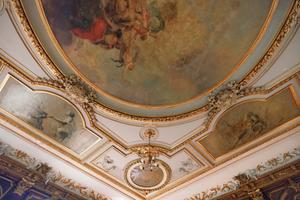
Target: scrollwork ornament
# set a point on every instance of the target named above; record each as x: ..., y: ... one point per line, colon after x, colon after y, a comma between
x: 74, y: 87
x: 143, y: 150
x: 47, y: 172
x: 228, y: 95
x: 224, y: 98
x: 249, y: 175
x: 256, y: 195
x: 289, y: 25
x: 23, y: 186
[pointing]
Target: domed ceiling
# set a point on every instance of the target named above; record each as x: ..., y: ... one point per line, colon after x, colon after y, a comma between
x: 150, y: 96
x: 156, y: 58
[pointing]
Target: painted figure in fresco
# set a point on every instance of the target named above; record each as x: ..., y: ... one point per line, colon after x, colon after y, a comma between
x: 252, y: 126
x: 66, y: 126
x: 107, y: 163
x: 187, y: 166
x: 249, y: 127
x: 112, y: 24
x: 37, y: 118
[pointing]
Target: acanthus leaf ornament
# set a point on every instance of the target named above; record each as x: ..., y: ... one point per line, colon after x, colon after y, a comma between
x: 224, y: 98
x: 249, y: 175
x: 50, y: 175
x: 74, y: 87
x: 228, y: 95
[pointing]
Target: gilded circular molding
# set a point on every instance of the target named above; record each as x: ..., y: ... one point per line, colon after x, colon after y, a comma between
x: 147, y: 180
x: 149, y: 131
x: 288, y: 26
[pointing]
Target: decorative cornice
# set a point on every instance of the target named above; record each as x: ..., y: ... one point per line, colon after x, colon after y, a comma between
x: 50, y: 175
x: 248, y: 175
x: 16, y: 6
x: 290, y: 23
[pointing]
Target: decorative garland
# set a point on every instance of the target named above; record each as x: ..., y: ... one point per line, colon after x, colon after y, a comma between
x: 251, y: 174
x: 49, y: 173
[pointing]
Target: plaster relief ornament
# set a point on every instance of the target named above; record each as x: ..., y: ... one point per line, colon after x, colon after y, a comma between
x: 146, y: 178
x: 227, y: 96
x: 107, y: 163
x: 74, y: 87
x: 247, y: 176
x: 23, y: 186
x: 78, y: 90
x: 50, y: 174
x: 147, y: 173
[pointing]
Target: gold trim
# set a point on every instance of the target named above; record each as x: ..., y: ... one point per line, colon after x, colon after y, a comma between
x: 70, y: 63
x: 287, y: 27
x: 90, y: 112
x: 274, y: 168
x: 163, y: 166
x: 196, y: 174
x: 75, y: 160
x: 170, y: 187
x: 18, y: 9
x: 290, y: 22
x: 83, y: 122
x: 229, y: 154
x: 35, y: 165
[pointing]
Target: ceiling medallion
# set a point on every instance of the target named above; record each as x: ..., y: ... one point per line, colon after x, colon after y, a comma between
x: 147, y: 131
x: 148, y: 173
x: 146, y: 178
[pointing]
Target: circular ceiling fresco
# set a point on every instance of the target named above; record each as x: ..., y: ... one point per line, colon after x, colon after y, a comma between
x: 164, y: 55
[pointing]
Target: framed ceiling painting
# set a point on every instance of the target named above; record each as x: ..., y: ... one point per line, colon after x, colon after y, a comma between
x: 46, y: 114
x: 249, y: 121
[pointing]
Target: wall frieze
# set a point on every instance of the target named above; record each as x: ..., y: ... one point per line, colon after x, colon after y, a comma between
x: 249, y: 175
x: 49, y: 173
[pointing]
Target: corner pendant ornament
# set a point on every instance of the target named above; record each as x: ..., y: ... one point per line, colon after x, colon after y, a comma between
x: 78, y: 90
x: 74, y: 87
x: 227, y: 96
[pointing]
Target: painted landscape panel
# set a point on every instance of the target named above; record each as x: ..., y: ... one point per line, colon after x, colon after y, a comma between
x: 47, y: 113
x: 249, y: 121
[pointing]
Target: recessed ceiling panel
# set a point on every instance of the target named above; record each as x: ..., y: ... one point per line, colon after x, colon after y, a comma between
x: 153, y: 58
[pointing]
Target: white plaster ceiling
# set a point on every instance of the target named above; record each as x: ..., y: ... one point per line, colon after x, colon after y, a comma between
x: 16, y: 48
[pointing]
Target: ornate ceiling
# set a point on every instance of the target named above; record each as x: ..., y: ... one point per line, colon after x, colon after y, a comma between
x: 89, y: 79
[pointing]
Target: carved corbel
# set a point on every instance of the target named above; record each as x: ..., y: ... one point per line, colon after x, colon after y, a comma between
x: 294, y: 186
x: 23, y: 186
x: 256, y: 194
x: 247, y: 186
x: 57, y: 195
